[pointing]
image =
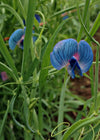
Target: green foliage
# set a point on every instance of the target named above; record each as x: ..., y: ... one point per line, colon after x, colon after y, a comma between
x: 36, y: 101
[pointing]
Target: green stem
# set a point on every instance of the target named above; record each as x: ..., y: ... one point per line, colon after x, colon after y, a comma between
x: 66, y: 10
x: 61, y: 105
x: 92, y: 80
x: 4, y: 120
x: 40, y: 115
x: 96, y: 77
x: 35, y: 118
x: 28, y: 36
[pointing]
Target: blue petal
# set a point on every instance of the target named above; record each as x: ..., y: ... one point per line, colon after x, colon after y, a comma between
x: 34, y: 37
x: 15, y: 37
x: 62, y: 52
x: 22, y: 44
x: 85, y: 56
x: 74, y: 68
x: 38, y: 18
x: 65, y: 17
x: 54, y: 62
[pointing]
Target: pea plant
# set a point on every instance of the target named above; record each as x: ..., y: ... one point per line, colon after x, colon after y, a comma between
x: 44, y: 46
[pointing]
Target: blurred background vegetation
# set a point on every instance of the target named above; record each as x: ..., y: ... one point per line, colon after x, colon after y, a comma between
x: 76, y: 106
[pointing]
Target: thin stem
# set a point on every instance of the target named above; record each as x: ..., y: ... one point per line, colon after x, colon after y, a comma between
x: 96, y: 78
x: 92, y: 80
x: 61, y: 105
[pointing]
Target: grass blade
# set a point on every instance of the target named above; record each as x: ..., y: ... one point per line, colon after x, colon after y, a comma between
x: 61, y: 105
x: 85, y: 29
x: 7, y: 56
x: 21, y: 9
x: 84, y: 19
x: 11, y: 111
x: 78, y: 125
x: 7, y: 7
x: 92, y: 80
x: 96, y: 77
x: 95, y: 27
x: 66, y: 10
x: 5, y: 68
x: 4, y: 119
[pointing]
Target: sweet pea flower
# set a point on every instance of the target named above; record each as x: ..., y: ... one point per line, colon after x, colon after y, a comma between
x: 76, y: 57
x: 4, y: 76
x: 64, y: 16
x: 17, y: 37
x: 38, y: 18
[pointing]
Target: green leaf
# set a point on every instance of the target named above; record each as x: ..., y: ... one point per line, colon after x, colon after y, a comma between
x: 28, y: 37
x: 84, y: 19
x: 31, y: 69
x: 7, y: 56
x: 78, y: 125
x: 5, y: 68
x: 95, y: 27
x: 96, y: 77
x: 7, y: 7
x: 4, y: 120
x: 21, y: 9
x: 89, y: 135
x: 11, y: 111
x: 61, y: 105
x: 84, y: 27
x: 66, y: 10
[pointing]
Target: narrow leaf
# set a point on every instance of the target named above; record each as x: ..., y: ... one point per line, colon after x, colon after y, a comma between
x: 7, y: 7
x: 5, y: 68
x: 28, y: 37
x: 4, y: 120
x: 7, y: 56
x: 78, y: 125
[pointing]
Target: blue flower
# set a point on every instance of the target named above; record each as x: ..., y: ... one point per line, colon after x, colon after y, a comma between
x: 38, y: 18
x: 17, y: 38
x: 64, y: 16
x: 76, y: 57
x: 3, y: 76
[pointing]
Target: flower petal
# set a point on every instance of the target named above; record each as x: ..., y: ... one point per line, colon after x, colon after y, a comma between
x: 34, y: 37
x: 74, y: 68
x: 62, y: 53
x: 4, y: 76
x: 54, y: 62
x: 85, y: 56
x: 38, y: 18
x: 15, y: 37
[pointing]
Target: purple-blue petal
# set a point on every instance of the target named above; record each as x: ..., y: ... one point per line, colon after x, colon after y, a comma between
x: 65, y: 17
x: 38, y: 18
x: 21, y: 44
x: 34, y: 37
x: 62, y: 52
x: 54, y: 62
x: 85, y: 56
x: 15, y: 37
x: 74, y: 68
